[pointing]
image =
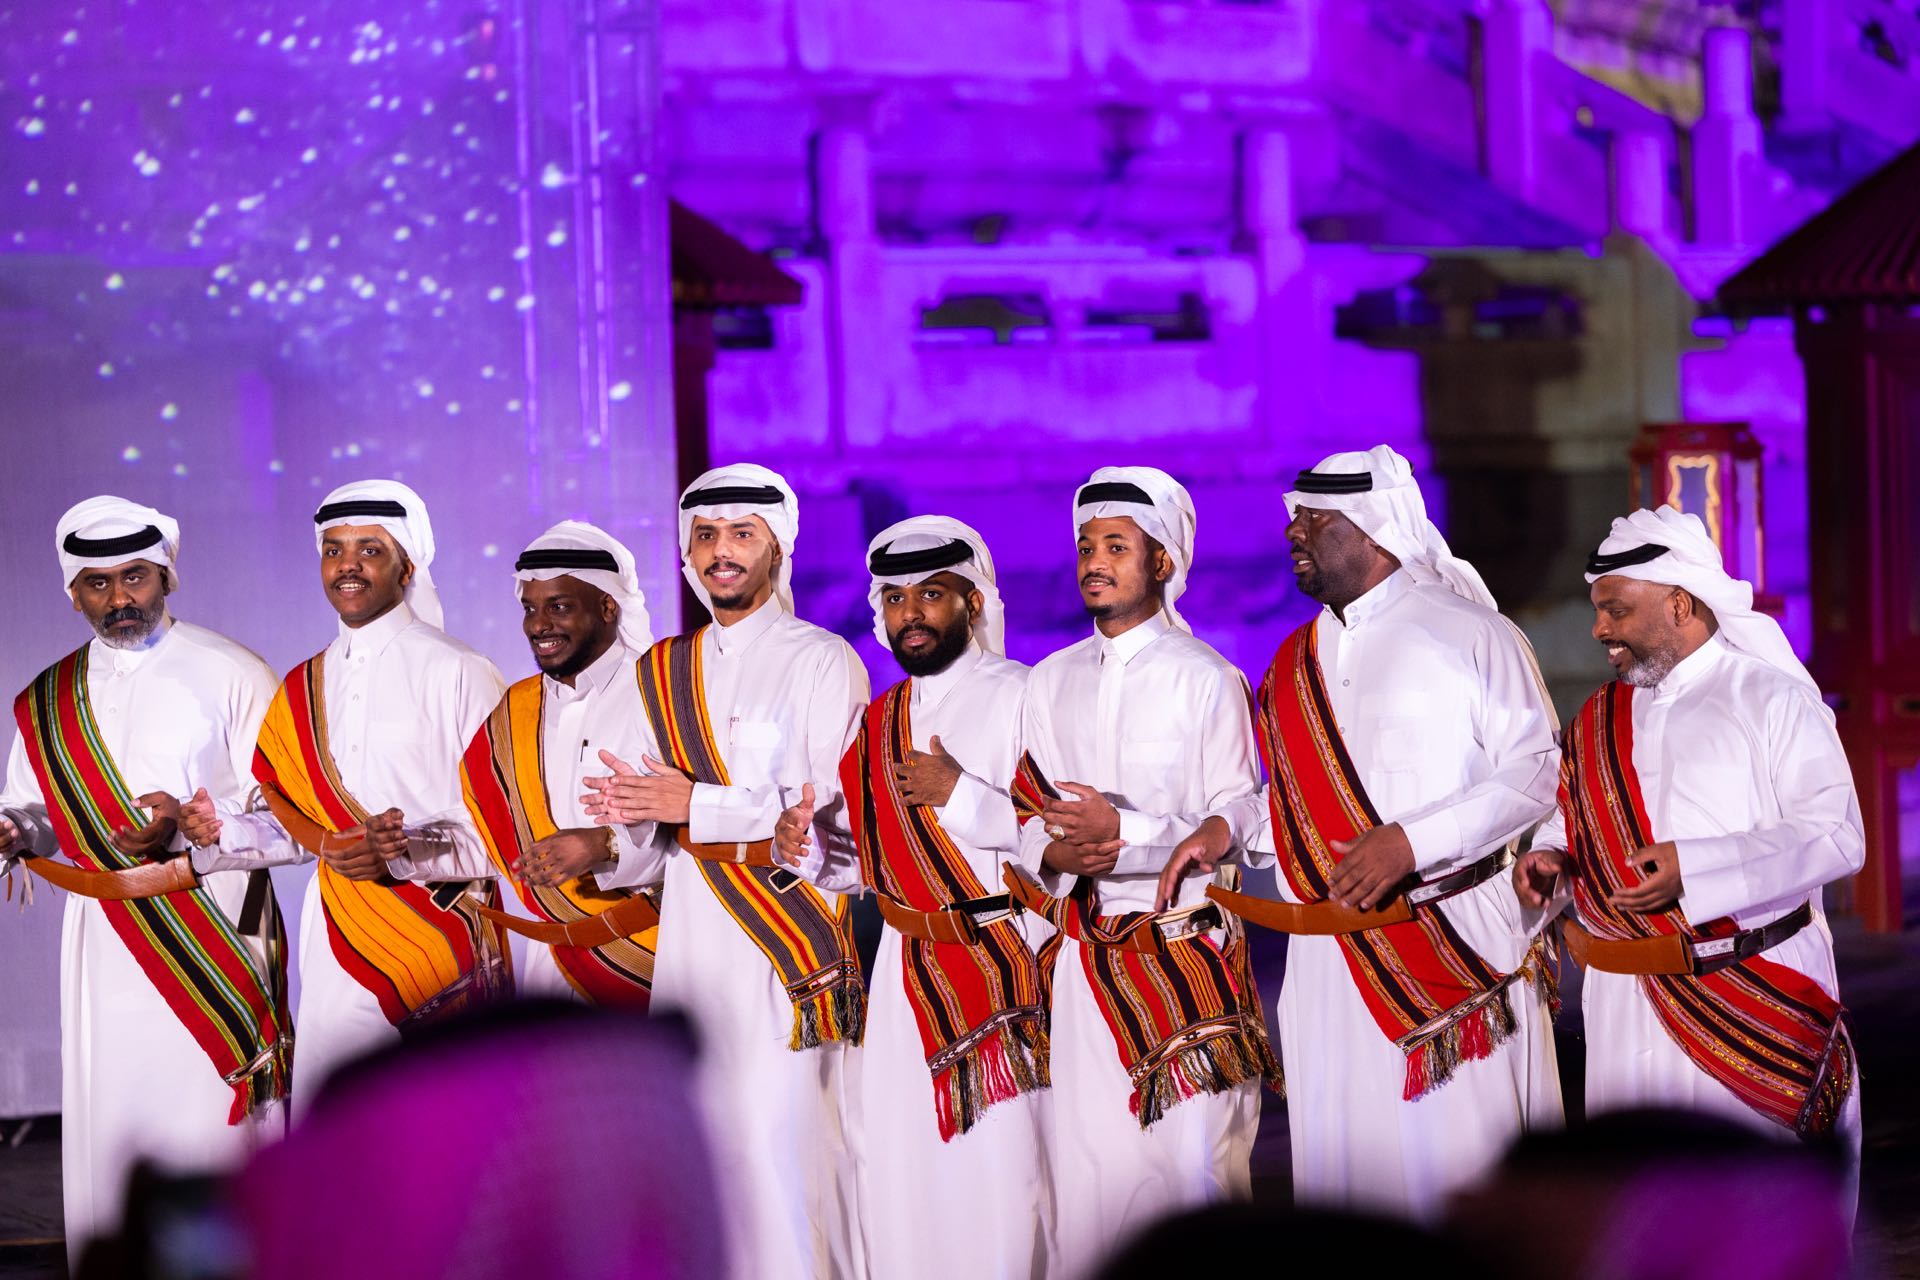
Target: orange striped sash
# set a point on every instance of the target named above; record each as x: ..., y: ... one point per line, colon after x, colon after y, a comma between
x: 1768, y: 1033
x: 978, y: 1006
x: 808, y: 942
x: 420, y: 959
x: 503, y: 778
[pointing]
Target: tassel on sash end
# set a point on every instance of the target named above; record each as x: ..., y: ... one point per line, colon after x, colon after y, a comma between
x: 1830, y: 1091
x: 1212, y: 1066
x: 1434, y: 1060
x: 1014, y: 1061
x: 837, y: 1013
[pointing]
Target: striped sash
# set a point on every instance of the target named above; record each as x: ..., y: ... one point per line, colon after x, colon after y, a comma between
x: 808, y: 942
x: 978, y: 1007
x: 1428, y: 991
x: 418, y: 958
x: 503, y: 778
x: 1765, y: 1031
x: 1185, y: 1017
x: 182, y: 941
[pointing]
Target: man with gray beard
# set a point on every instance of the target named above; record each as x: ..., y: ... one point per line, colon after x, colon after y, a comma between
x: 172, y: 1018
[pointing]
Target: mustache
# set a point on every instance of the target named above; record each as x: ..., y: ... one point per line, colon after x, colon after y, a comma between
x: 1096, y: 577
x: 131, y: 613
x: 718, y: 565
x: 913, y: 629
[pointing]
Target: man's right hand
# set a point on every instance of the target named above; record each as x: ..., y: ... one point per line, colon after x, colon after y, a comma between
x: 198, y: 821
x: 790, y: 839
x: 1536, y: 873
x: 9, y: 837
x: 1197, y: 855
x: 1071, y: 859
x: 361, y: 852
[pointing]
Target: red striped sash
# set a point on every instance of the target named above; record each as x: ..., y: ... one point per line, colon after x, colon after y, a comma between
x: 183, y: 942
x: 808, y: 942
x: 1428, y: 991
x: 504, y: 781
x: 978, y: 1007
x: 419, y: 960
x: 1185, y: 1017
x: 1765, y: 1031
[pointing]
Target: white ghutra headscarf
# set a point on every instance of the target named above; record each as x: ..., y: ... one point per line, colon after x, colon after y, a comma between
x: 394, y: 507
x: 914, y: 550
x: 576, y: 549
x: 1157, y: 503
x: 734, y: 493
x: 1376, y: 490
x: 1668, y: 547
x: 106, y: 532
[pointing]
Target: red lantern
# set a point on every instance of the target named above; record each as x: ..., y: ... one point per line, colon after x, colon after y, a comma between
x: 1711, y: 470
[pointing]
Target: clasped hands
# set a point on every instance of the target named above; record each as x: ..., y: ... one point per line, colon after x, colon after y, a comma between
x: 1537, y: 872
x: 1371, y: 867
x: 359, y: 852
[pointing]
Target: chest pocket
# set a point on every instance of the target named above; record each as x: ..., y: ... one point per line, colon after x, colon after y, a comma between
x: 755, y: 748
x: 1159, y: 753
x: 1398, y: 746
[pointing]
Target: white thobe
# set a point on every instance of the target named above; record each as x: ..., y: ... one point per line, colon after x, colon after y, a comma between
x: 1739, y: 766
x: 979, y: 1206
x: 1442, y: 711
x: 1156, y: 721
x: 175, y: 716
x: 402, y: 700
x: 782, y: 696
x: 602, y: 710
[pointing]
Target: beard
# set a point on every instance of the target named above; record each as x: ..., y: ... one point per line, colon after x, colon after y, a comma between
x: 1650, y: 665
x: 951, y: 644
x: 140, y: 636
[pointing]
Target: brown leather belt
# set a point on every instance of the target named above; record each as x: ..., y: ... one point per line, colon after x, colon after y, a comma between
x: 301, y: 829
x: 149, y: 880
x: 1332, y: 918
x: 1673, y: 953
x: 1149, y: 937
x: 756, y: 853
x: 624, y: 919
x: 961, y: 923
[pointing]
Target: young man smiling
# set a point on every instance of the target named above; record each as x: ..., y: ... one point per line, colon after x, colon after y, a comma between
x: 360, y: 738
x: 167, y: 988
x: 1132, y: 736
x: 749, y: 712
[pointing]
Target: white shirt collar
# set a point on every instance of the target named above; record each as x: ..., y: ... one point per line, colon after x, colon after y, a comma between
x: 1691, y: 668
x: 373, y: 638
x: 597, y: 675
x: 1375, y: 600
x: 125, y: 660
x: 932, y: 690
x: 736, y: 638
x: 1129, y: 643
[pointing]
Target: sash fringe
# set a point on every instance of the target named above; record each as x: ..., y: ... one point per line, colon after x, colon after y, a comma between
x: 1830, y: 1090
x: 1212, y: 1066
x: 837, y: 1013
x: 1015, y: 1059
x: 1435, y: 1060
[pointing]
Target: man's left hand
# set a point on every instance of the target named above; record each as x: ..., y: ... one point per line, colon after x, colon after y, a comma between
x: 1089, y: 820
x: 1659, y: 887
x: 1371, y: 864
x: 662, y: 794
x: 927, y: 777
x: 151, y: 840
x: 564, y: 855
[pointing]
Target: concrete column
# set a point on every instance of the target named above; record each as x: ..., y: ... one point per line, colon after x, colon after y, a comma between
x: 1804, y: 25
x: 1640, y: 187
x: 1518, y: 38
x: 1289, y: 361
x: 850, y: 245
x: 1726, y: 141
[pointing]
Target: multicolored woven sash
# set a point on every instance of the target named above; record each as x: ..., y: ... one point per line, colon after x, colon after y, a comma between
x: 1765, y: 1031
x: 1427, y: 989
x: 419, y: 959
x: 979, y: 1007
x: 183, y: 942
x: 503, y: 777
x: 808, y: 942
x: 1185, y: 1017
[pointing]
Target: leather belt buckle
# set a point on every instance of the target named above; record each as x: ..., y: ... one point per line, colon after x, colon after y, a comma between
x: 991, y: 909
x: 446, y: 894
x: 781, y: 880
x: 1179, y: 926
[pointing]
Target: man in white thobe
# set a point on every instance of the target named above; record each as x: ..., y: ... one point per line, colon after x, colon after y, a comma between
x: 780, y: 698
x: 401, y: 700
x: 176, y: 708
x: 955, y: 1048
x: 1751, y: 807
x: 1143, y: 730
x: 1440, y: 707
